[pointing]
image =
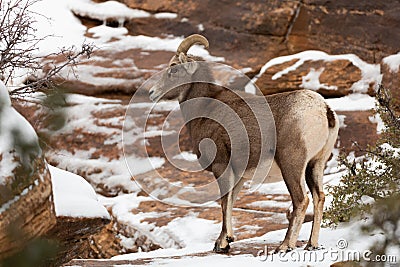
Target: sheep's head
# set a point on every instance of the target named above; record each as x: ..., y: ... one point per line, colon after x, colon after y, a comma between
x: 180, y: 70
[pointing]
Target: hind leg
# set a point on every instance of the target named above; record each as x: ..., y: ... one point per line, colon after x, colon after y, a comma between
x: 314, y: 179
x: 294, y: 176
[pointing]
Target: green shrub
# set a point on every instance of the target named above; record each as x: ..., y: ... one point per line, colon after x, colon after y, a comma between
x: 375, y: 177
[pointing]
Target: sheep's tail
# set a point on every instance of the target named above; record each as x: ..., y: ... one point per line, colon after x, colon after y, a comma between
x: 330, y: 114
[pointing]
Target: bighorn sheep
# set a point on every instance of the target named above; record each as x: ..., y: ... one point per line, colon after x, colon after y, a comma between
x: 306, y: 131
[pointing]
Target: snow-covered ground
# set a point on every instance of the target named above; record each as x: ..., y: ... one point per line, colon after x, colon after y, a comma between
x: 347, y: 242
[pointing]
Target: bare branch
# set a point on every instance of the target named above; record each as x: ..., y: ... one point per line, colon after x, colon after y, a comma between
x: 18, y: 47
x: 46, y: 80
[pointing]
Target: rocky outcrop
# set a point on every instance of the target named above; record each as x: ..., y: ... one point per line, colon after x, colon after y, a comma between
x: 31, y: 206
x: 24, y: 181
x: 329, y: 75
x: 253, y: 32
x: 245, y: 36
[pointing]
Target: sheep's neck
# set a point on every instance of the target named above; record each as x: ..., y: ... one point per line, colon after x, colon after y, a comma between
x: 197, y: 90
x: 200, y: 108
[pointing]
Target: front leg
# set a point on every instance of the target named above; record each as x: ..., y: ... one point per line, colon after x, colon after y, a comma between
x: 226, y: 235
x: 226, y: 183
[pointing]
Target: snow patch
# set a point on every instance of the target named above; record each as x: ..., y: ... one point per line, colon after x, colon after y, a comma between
x: 157, y: 44
x: 270, y: 204
x: 352, y: 102
x: 342, y: 119
x: 13, y: 127
x: 380, y: 125
x: 105, y: 10
x: 311, y: 81
x: 273, y: 188
x: 55, y: 20
x: 105, y: 33
x: 200, y: 27
x: 393, y: 61
x: 8, y: 204
x: 185, y: 155
x: 165, y: 15
x: 74, y: 197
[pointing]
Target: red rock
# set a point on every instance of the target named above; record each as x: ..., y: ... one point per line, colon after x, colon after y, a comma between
x: 391, y: 80
x: 339, y: 75
x: 358, y: 128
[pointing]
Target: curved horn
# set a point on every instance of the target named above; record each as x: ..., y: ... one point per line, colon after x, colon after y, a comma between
x: 191, y: 40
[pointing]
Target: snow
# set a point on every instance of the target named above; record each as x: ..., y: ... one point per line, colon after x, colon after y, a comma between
x: 159, y: 106
x: 380, y: 125
x: 273, y: 188
x: 5, y: 206
x: 74, y: 197
x: 5, y: 100
x: 341, y: 121
x: 370, y: 73
x: 177, y: 238
x: 345, y: 239
x: 185, y: 155
x: 270, y: 204
x: 55, y: 20
x: 311, y: 81
x: 200, y: 27
x: 105, y: 10
x: 114, y: 173
x: 393, y: 61
x: 352, y: 102
x: 148, y: 43
x: 105, y: 33
x: 13, y: 125
x: 83, y: 99
x: 346, y: 242
x: 165, y: 15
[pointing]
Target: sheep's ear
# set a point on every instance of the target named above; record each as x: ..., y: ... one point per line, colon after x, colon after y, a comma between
x: 191, y: 66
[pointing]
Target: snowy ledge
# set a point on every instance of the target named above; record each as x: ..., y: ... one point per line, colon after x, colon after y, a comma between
x: 74, y: 197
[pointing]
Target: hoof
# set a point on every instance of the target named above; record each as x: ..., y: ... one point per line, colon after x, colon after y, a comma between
x: 218, y: 249
x: 310, y: 247
x: 283, y: 249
